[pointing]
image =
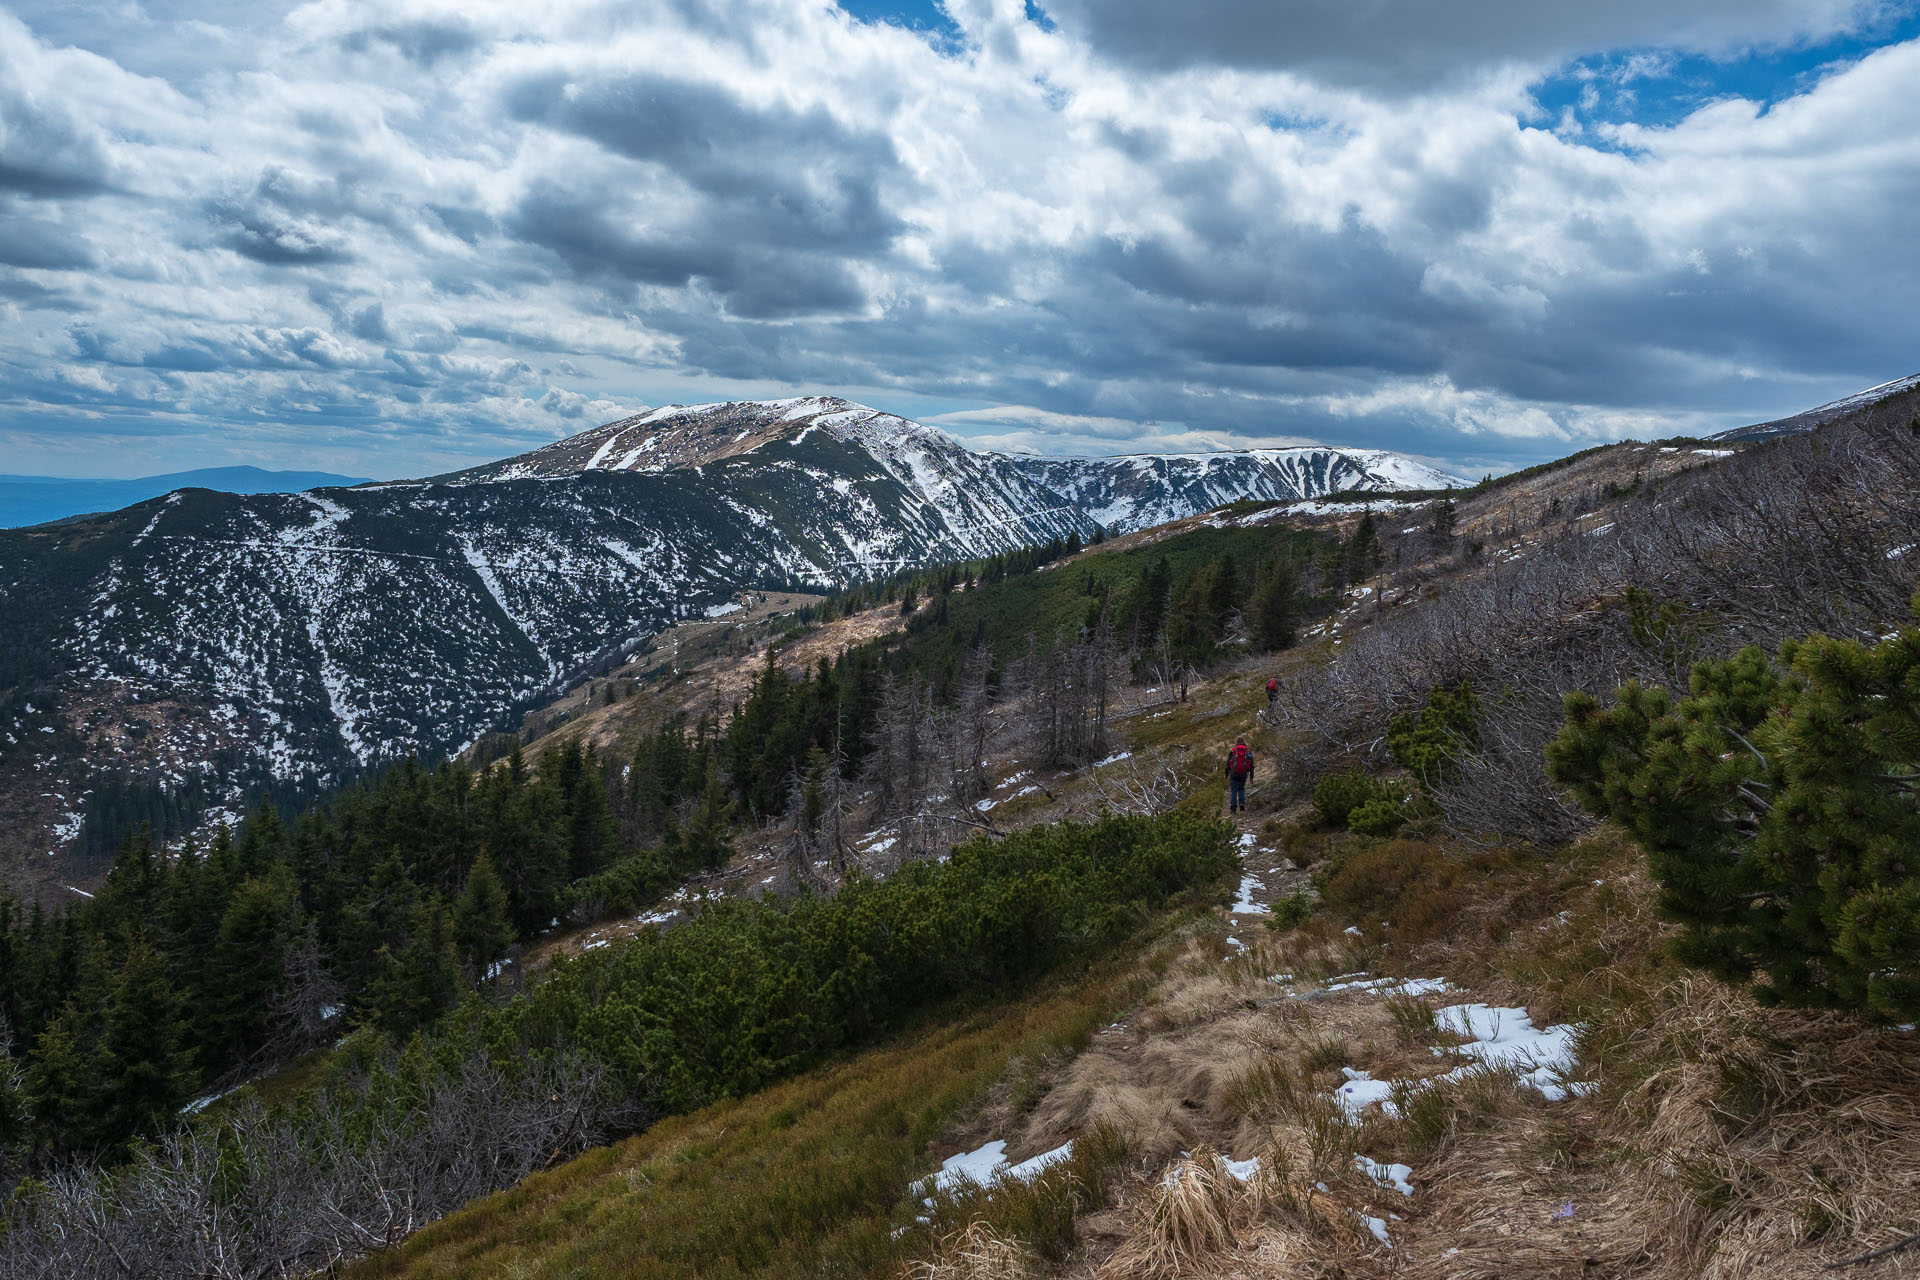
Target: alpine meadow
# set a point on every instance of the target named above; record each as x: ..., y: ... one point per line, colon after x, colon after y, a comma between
x: 991, y: 641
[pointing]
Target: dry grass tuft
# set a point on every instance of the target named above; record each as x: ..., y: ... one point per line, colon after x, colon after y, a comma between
x: 1187, y: 1219
x: 978, y: 1252
x: 1099, y: 1089
x: 1771, y: 1137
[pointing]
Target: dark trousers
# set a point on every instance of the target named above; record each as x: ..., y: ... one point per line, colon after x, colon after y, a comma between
x: 1236, y: 793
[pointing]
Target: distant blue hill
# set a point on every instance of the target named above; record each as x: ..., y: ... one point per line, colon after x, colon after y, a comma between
x: 26, y: 500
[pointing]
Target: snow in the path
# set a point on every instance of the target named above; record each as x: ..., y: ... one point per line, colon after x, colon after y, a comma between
x: 1387, y: 1175
x: 1242, y: 1170
x: 1392, y: 986
x: 1244, y: 905
x: 722, y: 610
x: 1501, y: 1039
x: 1507, y: 1039
x: 988, y: 1164
x: 1362, y: 1091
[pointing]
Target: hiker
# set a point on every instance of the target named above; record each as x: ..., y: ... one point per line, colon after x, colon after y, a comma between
x: 1273, y: 690
x: 1239, y: 769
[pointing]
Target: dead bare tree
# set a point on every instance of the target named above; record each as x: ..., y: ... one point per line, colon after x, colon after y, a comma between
x: 972, y: 726
x: 1149, y: 783
x: 306, y: 1005
x: 272, y: 1192
x: 1819, y: 532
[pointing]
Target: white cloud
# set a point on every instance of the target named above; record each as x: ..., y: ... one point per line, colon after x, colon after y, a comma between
x: 400, y: 236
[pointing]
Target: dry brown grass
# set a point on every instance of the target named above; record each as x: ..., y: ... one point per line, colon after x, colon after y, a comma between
x: 1186, y: 1217
x: 978, y: 1252
x: 1768, y: 1138
x: 1725, y: 1140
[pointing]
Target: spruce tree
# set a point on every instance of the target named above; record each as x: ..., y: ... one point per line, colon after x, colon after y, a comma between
x: 1361, y: 554
x: 62, y: 1086
x: 1273, y: 613
x: 1223, y: 590
x: 705, y: 841
x: 420, y: 978
x: 481, y: 929
x: 248, y: 961
x: 592, y: 841
x: 1778, y: 806
x: 1442, y: 523
x: 1191, y: 628
x: 143, y: 1071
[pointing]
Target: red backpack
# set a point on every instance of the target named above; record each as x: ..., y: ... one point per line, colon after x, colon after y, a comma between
x: 1240, y: 760
x: 1273, y: 685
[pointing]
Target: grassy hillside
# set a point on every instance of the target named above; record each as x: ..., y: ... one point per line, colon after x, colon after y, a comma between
x: 1450, y: 1023
x: 806, y: 1178
x: 1472, y: 989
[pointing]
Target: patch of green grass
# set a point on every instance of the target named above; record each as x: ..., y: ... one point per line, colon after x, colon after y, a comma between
x: 806, y: 1178
x: 1323, y: 1053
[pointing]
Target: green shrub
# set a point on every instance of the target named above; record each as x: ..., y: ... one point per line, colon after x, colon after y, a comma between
x: 1778, y: 809
x: 1290, y: 912
x: 1380, y: 816
x: 1427, y: 743
x: 1337, y: 795
x: 749, y: 992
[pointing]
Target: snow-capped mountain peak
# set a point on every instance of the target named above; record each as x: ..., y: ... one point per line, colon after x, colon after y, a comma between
x: 677, y: 435
x: 1820, y: 415
x: 928, y: 459
x: 297, y: 637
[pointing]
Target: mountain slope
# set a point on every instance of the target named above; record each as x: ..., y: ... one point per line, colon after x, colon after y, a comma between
x: 30, y: 500
x: 217, y: 642
x: 1832, y: 411
x: 1120, y: 493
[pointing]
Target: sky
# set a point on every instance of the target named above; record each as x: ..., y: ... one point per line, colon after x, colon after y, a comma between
x: 394, y: 238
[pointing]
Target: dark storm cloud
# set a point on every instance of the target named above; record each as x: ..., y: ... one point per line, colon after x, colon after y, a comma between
x: 1396, y: 46
x: 30, y: 293
x: 370, y: 324
x: 424, y: 41
x: 598, y: 243
x: 44, y: 152
x: 27, y: 241
x: 381, y: 217
x: 764, y: 205
x: 270, y: 237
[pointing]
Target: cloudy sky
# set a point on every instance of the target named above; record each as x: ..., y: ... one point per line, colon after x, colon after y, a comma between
x: 390, y: 238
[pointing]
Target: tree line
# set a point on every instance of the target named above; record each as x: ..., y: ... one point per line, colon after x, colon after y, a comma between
x: 381, y: 907
x: 399, y: 1133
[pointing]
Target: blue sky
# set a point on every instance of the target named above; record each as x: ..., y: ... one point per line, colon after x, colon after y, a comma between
x: 393, y: 238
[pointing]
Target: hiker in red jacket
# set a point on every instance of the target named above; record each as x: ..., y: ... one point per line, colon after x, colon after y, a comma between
x: 1273, y: 690
x: 1239, y: 769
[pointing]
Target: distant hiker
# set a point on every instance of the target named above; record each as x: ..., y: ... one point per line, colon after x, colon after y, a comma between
x: 1273, y: 690
x: 1239, y: 769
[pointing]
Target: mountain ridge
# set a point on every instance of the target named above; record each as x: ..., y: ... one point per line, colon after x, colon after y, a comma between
x: 213, y: 644
x: 1820, y: 415
x: 657, y: 439
x: 32, y: 500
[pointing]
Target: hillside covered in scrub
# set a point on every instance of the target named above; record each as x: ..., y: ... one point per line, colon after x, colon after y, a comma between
x: 1570, y: 929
